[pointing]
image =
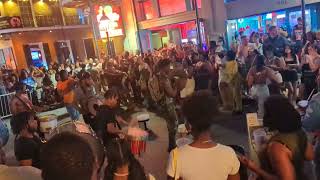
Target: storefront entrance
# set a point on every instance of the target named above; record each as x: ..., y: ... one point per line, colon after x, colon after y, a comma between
x: 155, y: 38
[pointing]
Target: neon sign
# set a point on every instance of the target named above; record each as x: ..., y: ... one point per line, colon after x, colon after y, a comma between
x: 113, y: 24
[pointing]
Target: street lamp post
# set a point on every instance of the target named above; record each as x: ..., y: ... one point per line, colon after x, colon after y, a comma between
x: 303, y: 13
x: 195, y: 5
x: 105, y: 21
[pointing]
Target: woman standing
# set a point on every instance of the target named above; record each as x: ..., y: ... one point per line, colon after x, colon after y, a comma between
x: 278, y: 65
x: 204, y: 158
x: 288, y: 148
x: 255, y: 42
x: 257, y: 82
x: 290, y: 75
x: 310, y: 69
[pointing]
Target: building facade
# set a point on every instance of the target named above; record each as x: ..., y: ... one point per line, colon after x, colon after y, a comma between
x: 162, y: 22
x: 263, y: 13
x: 46, y: 31
x: 39, y: 32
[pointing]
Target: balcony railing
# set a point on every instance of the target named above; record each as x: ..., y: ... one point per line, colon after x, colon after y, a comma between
x: 72, y: 20
x: 45, y: 21
x: 27, y: 21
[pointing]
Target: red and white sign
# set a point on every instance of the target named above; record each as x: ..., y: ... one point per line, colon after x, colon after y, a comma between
x: 112, y: 24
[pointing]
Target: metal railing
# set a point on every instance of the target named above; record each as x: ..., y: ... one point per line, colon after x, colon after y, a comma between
x: 5, y: 99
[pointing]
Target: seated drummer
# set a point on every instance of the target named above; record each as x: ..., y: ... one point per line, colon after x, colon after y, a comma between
x: 26, y: 144
x: 108, y: 120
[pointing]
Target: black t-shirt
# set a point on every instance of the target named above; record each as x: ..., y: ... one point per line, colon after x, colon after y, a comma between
x: 28, y: 148
x: 105, y: 116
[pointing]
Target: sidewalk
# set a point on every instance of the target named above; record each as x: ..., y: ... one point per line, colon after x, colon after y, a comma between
x: 154, y: 160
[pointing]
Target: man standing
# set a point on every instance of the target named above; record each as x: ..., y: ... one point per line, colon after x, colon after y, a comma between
x: 311, y: 123
x: 88, y: 99
x: 27, y: 144
x: 243, y: 57
x: 170, y: 92
x: 277, y: 42
x: 297, y: 34
x: 108, y: 121
x: 243, y: 50
x: 21, y: 102
x: 66, y: 88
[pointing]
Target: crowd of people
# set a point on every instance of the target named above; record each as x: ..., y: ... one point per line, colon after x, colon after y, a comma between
x: 184, y: 85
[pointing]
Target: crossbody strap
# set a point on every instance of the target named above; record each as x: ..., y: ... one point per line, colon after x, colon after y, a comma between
x: 25, y: 104
x: 175, y: 162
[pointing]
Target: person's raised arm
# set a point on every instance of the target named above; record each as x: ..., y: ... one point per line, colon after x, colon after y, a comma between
x: 256, y: 169
x: 121, y: 120
x: 271, y: 74
x: 169, y: 90
x: 112, y: 129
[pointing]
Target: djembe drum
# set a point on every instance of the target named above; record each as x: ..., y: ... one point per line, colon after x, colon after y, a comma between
x: 86, y: 132
x: 137, y: 139
x: 48, y: 123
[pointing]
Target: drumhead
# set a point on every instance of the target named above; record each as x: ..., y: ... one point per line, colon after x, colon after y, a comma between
x: 143, y: 117
x: 46, y: 118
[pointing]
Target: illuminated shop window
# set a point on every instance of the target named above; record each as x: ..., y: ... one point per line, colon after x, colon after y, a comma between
x: 149, y: 10
x: 7, y: 58
x: 169, y: 7
x: 145, y: 10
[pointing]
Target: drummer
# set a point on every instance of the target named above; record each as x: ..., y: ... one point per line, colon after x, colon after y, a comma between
x: 85, y: 95
x: 108, y: 120
x: 26, y: 144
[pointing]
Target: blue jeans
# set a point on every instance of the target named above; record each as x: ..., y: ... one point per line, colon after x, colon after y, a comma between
x: 73, y: 112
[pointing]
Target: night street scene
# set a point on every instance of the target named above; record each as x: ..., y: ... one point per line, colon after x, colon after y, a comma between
x: 160, y: 90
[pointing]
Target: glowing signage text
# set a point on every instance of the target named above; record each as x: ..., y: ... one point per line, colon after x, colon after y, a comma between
x: 112, y: 24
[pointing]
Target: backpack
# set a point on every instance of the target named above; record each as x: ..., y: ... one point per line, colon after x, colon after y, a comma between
x: 154, y: 88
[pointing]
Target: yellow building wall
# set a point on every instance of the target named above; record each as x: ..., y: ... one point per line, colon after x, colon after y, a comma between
x: 118, y: 44
x: 42, y: 9
x: 9, y: 8
x: 69, y: 11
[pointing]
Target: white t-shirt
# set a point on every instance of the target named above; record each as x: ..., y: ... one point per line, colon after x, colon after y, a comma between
x: 215, y: 163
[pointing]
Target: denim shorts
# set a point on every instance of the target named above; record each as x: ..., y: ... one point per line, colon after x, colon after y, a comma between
x: 73, y: 112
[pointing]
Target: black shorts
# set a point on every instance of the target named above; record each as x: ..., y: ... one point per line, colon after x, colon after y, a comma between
x: 289, y: 75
